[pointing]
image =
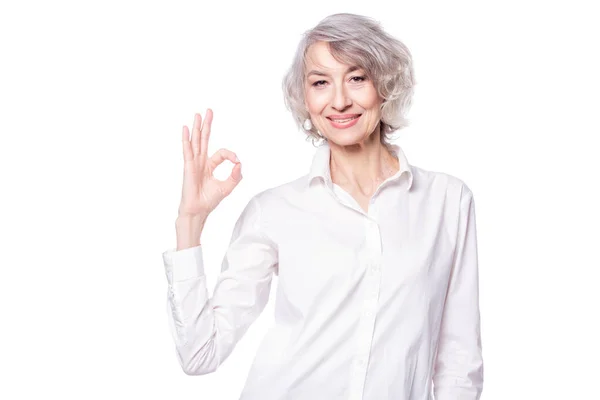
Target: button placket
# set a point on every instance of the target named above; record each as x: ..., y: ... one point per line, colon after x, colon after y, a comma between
x: 372, y: 279
x: 368, y: 314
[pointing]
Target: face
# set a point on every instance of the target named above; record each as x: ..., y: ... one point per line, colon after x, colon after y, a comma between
x: 342, y: 101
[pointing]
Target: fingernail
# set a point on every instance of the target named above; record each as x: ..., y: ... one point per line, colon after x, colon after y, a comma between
x: 237, y: 159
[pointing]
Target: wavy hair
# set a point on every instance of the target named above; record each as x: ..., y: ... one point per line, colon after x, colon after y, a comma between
x: 357, y: 40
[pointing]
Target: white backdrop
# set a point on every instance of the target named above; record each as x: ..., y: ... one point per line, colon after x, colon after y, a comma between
x: 93, y: 96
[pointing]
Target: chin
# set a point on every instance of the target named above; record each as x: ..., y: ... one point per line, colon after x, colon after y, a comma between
x: 345, y: 142
x: 346, y: 138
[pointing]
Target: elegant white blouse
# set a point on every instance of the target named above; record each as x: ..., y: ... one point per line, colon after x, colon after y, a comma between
x: 370, y: 305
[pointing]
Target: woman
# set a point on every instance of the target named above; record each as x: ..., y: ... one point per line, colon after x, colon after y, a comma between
x: 376, y: 259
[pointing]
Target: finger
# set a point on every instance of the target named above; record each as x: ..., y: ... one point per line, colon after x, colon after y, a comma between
x: 236, y: 173
x: 196, y: 134
x: 187, y: 148
x: 222, y: 155
x: 205, y: 135
x: 232, y: 181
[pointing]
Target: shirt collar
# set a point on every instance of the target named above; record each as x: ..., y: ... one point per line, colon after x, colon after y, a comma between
x: 321, y: 158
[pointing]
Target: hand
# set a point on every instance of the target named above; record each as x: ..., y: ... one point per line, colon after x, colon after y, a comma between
x: 202, y: 192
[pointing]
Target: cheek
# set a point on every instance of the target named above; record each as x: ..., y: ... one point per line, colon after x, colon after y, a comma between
x: 371, y: 100
x: 315, y: 102
x: 374, y: 107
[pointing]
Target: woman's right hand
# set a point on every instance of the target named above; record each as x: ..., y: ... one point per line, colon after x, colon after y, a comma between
x: 202, y: 192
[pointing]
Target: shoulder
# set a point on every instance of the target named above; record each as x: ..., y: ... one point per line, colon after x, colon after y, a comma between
x: 443, y: 191
x: 425, y: 179
x: 272, y: 199
x: 289, y: 189
x: 274, y: 204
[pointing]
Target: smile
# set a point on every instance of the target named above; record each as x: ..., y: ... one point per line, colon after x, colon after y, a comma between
x: 344, y: 123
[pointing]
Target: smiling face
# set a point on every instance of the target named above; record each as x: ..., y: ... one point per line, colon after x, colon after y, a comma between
x: 342, y: 101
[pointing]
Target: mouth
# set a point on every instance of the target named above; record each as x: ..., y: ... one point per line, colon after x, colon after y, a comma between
x: 346, y: 122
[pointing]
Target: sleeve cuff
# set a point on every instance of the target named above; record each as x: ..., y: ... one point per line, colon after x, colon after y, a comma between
x: 183, y: 264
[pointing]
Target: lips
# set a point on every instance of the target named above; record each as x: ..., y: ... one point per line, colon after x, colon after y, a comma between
x: 344, y: 121
x: 343, y: 118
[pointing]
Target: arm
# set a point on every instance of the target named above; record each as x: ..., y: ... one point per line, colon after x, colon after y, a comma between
x: 206, y: 330
x: 458, y: 370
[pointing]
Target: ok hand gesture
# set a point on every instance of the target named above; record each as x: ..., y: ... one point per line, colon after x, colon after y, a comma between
x: 202, y: 192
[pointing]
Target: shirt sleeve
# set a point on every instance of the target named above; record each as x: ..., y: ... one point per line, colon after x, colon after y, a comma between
x: 205, y: 330
x: 458, y: 372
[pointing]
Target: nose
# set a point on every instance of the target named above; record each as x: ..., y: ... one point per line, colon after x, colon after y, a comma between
x: 341, y: 100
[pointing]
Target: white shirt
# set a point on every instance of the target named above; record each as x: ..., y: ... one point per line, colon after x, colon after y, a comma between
x: 370, y: 305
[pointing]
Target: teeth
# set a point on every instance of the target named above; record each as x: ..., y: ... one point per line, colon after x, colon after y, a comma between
x: 344, y: 120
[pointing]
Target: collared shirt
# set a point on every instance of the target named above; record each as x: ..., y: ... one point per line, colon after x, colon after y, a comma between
x: 374, y: 305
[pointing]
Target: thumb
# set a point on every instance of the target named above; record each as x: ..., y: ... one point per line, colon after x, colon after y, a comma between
x: 234, y: 178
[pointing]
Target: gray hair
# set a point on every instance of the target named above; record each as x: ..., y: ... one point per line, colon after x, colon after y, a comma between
x: 357, y: 40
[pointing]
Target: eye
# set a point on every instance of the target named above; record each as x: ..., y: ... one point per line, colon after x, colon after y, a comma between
x: 358, y: 78
x: 319, y: 83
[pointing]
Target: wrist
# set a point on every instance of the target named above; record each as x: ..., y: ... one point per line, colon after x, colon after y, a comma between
x: 190, y: 220
x: 188, y: 231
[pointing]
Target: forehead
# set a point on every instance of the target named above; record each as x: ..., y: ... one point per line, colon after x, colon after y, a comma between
x: 318, y: 56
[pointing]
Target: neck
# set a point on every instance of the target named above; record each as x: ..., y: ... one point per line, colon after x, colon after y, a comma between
x: 361, y: 167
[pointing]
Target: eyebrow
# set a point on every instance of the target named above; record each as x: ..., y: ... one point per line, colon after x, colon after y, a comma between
x: 315, y: 72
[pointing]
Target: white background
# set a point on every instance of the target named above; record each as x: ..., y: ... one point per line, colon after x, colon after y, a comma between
x: 93, y: 96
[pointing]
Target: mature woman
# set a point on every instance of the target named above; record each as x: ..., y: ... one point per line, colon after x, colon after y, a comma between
x: 376, y: 258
